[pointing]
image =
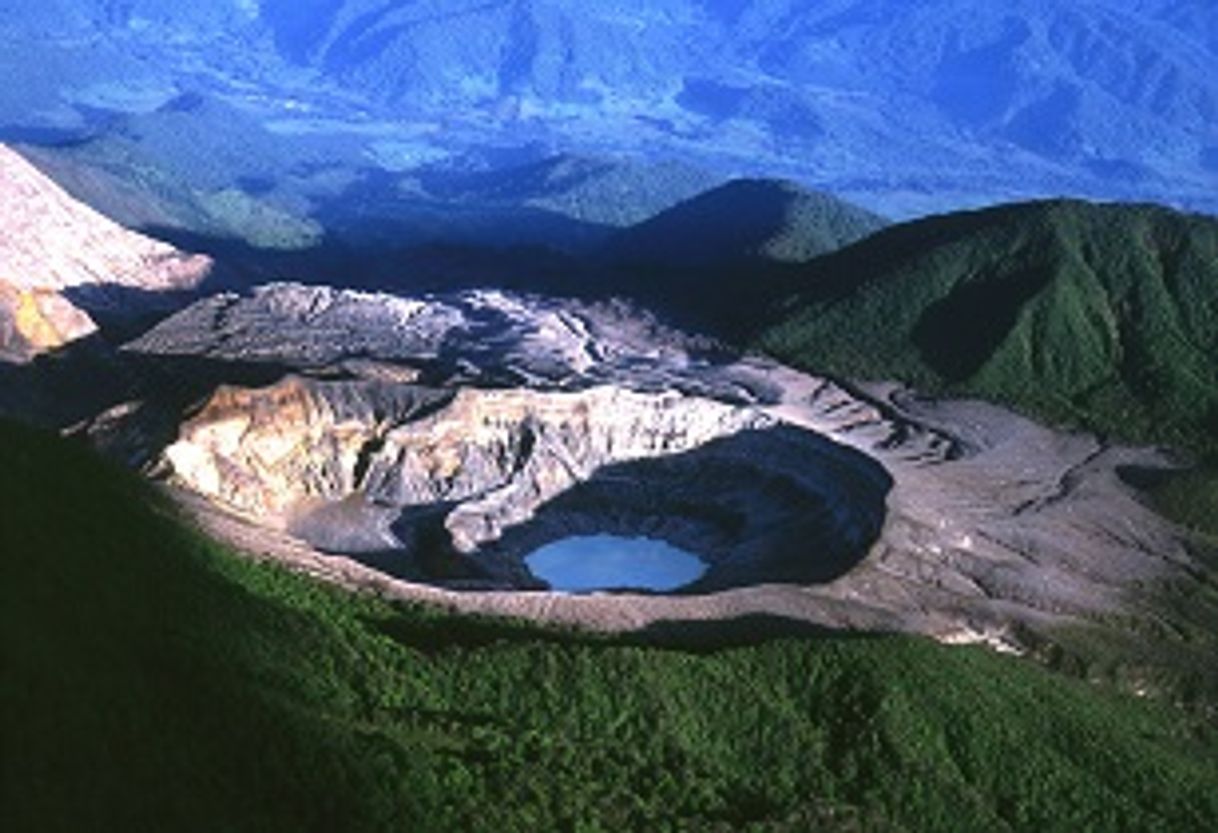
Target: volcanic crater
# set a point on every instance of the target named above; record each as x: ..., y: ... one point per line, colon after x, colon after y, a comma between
x: 458, y: 487
x: 426, y: 447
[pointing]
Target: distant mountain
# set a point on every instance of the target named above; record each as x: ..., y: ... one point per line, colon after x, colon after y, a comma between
x: 61, y: 261
x: 883, y: 100
x: 196, y: 163
x: 742, y: 223
x: 902, y: 107
x: 567, y: 202
x: 1098, y: 314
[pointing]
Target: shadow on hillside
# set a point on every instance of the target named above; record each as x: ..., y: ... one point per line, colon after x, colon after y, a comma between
x: 376, y: 236
x: 724, y: 300
x: 386, y: 266
x: 65, y: 386
x: 74, y: 385
x: 125, y: 312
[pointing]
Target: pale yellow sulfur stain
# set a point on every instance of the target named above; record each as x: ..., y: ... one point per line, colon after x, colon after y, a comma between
x: 32, y: 324
x: 42, y: 319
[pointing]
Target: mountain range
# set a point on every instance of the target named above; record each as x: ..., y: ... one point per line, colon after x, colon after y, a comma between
x: 904, y: 108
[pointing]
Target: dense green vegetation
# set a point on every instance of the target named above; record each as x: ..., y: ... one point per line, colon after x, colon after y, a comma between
x: 1095, y: 315
x: 745, y: 222
x: 153, y: 681
x: 1190, y: 498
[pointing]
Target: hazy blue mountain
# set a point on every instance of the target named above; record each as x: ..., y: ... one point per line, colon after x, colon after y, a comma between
x: 903, y: 107
x: 203, y: 165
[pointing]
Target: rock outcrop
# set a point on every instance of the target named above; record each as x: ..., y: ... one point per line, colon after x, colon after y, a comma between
x: 34, y: 320
x: 483, y: 337
x: 59, y: 259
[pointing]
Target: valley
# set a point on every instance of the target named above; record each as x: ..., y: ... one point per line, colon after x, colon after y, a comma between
x: 262, y: 127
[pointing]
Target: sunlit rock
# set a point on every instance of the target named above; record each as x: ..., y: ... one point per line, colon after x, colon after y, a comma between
x: 59, y: 258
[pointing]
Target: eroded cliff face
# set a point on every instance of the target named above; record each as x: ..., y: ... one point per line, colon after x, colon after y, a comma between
x: 493, y: 456
x: 58, y: 257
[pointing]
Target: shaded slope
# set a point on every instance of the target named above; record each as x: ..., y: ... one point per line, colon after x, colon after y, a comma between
x: 1100, y: 314
x: 717, y: 261
x: 195, y: 163
x: 242, y: 697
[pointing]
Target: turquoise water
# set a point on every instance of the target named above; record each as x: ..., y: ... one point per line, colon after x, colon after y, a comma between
x: 610, y: 562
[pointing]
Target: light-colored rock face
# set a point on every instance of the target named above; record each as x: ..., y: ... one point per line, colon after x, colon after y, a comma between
x: 33, y: 321
x: 487, y: 337
x: 495, y: 455
x: 265, y: 451
x: 48, y: 240
x: 51, y: 245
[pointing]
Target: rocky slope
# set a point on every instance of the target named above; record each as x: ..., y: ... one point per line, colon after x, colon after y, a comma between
x: 809, y: 499
x: 59, y: 258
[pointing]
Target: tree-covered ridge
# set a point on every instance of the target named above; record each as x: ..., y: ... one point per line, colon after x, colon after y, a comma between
x: 746, y: 222
x: 1099, y: 315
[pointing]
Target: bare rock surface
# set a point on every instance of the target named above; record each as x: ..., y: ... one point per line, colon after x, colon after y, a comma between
x: 428, y: 444
x: 58, y: 258
x: 483, y: 337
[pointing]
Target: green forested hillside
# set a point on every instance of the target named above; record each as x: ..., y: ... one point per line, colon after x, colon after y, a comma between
x: 1100, y: 315
x: 151, y: 681
x: 747, y: 222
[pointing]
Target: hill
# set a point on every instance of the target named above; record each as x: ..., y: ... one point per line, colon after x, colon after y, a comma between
x: 603, y: 191
x: 1101, y: 315
x: 201, y: 166
x: 744, y: 223
x: 236, y: 696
